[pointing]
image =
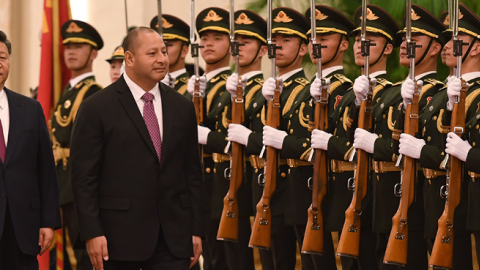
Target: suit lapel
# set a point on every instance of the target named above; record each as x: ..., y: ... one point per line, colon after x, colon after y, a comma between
x: 167, y: 120
x: 16, y: 120
x: 128, y: 102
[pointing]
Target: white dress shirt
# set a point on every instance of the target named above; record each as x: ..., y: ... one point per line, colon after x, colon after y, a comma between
x: 377, y: 73
x: 470, y: 76
x: 289, y: 74
x: 177, y: 73
x: 79, y: 78
x: 138, y: 92
x: 326, y: 72
x: 4, y: 114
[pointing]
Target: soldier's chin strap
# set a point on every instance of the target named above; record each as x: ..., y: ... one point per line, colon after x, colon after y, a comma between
x: 253, y: 60
x: 425, y: 53
x: 469, y: 48
x: 381, y: 55
x: 220, y: 60
x: 179, y: 54
x: 296, y: 56
x: 336, y: 51
x: 88, y: 59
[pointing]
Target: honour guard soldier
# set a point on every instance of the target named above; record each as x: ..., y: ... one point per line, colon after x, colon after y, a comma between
x: 381, y: 30
x: 388, y: 124
x: 213, y: 28
x: 82, y: 43
x: 289, y: 31
x: 250, y: 32
x: 469, y: 33
x: 445, y: 19
x: 116, y: 63
x: 176, y: 35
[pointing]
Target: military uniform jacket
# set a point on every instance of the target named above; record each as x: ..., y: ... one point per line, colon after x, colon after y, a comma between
x: 469, y: 202
x: 61, y: 129
x: 340, y: 145
x: 387, y: 117
x: 181, y: 84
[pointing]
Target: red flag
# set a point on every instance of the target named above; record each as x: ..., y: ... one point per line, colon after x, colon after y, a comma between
x: 54, y: 75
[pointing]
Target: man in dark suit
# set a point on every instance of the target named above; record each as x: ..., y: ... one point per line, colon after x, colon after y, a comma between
x: 29, y: 203
x: 135, y: 167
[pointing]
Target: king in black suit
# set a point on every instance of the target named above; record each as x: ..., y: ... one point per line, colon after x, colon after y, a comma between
x: 135, y: 209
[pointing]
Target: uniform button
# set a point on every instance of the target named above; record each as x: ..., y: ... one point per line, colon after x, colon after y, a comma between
x: 208, y: 170
x: 378, y: 177
x: 425, y: 121
x: 219, y: 130
x: 258, y: 115
x: 380, y: 136
x: 429, y: 138
x: 333, y: 178
x: 64, y: 117
x: 288, y: 170
x: 291, y: 115
x: 434, y: 118
x: 53, y: 129
x: 291, y: 131
x: 296, y: 111
x: 473, y: 144
x: 341, y: 118
x: 384, y: 116
x: 429, y: 182
x: 283, y: 174
x: 214, y: 170
x: 256, y: 170
x: 476, y: 126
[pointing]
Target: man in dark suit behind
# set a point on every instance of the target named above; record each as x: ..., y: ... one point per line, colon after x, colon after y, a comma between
x: 135, y: 167
x: 29, y: 203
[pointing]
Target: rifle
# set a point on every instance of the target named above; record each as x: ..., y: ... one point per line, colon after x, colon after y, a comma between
x: 313, y: 240
x: 396, y: 252
x: 349, y: 243
x: 442, y: 253
x: 228, y: 228
x: 197, y: 95
x: 171, y: 82
x: 262, y: 226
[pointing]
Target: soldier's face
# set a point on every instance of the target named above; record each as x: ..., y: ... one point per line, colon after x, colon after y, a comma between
x: 375, y: 51
x: 4, y: 64
x: 78, y: 56
x: 176, y: 50
x: 421, y: 40
x: 216, y: 46
x: 150, y: 59
x: 291, y: 47
x: 115, y: 67
x: 447, y: 52
x: 249, y: 50
x: 331, y: 41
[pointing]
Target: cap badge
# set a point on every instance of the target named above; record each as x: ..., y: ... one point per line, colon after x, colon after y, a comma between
x: 165, y: 23
x: 370, y: 15
x: 447, y: 19
x: 282, y: 17
x: 415, y: 16
x: 319, y: 16
x: 73, y: 28
x: 243, y: 19
x: 212, y: 16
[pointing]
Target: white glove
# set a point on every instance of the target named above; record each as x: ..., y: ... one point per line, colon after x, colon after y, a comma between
x: 316, y: 88
x: 269, y: 86
x: 453, y: 92
x: 232, y: 83
x: 238, y: 133
x: 203, y: 134
x: 410, y: 146
x: 191, y: 85
x: 320, y: 139
x: 360, y: 88
x: 364, y: 140
x: 457, y: 147
x: 408, y: 88
x: 273, y: 137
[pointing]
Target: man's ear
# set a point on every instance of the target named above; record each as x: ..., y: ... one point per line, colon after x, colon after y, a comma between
x: 184, y: 50
x: 129, y: 59
x: 94, y: 54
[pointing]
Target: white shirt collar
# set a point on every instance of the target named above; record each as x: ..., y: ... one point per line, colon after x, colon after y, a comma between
x: 471, y: 75
x: 215, y: 72
x: 330, y: 70
x: 3, y: 99
x: 419, y: 77
x: 79, y: 78
x: 137, y: 91
x: 175, y: 74
x: 377, y: 73
x: 252, y: 74
x: 289, y: 74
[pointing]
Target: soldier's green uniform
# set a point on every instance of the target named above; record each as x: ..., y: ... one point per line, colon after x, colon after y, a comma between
x: 61, y: 124
x: 175, y: 29
x: 388, y: 124
x: 214, y: 19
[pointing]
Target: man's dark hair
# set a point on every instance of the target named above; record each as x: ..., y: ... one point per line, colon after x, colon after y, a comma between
x: 3, y: 39
x: 130, y: 40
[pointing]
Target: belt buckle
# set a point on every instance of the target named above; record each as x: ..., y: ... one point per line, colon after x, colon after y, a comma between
x: 291, y: 163
x: 428, y: 173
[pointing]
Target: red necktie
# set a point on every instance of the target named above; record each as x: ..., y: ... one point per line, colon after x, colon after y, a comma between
x: 151, y: 121
x: 3, y: 148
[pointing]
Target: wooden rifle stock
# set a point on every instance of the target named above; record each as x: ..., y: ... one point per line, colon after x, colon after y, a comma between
x: 262, y: 226
x: 396, y: 252
x: 313, y: 240
x: 198, y: 101
x: 442, y: 253
x: 228, y: 228
x: 349, y: 243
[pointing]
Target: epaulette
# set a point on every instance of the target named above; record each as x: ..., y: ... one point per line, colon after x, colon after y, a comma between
x: 433, y: 81
x: 398, y: 83
x: 184, y: 79
x: 383, y: 82
x: 225, y: 76
x: 302, y: 81
x: 287, y: 84
x: 342, y: 78
x: 84, y: 82
x: 259, y: 81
